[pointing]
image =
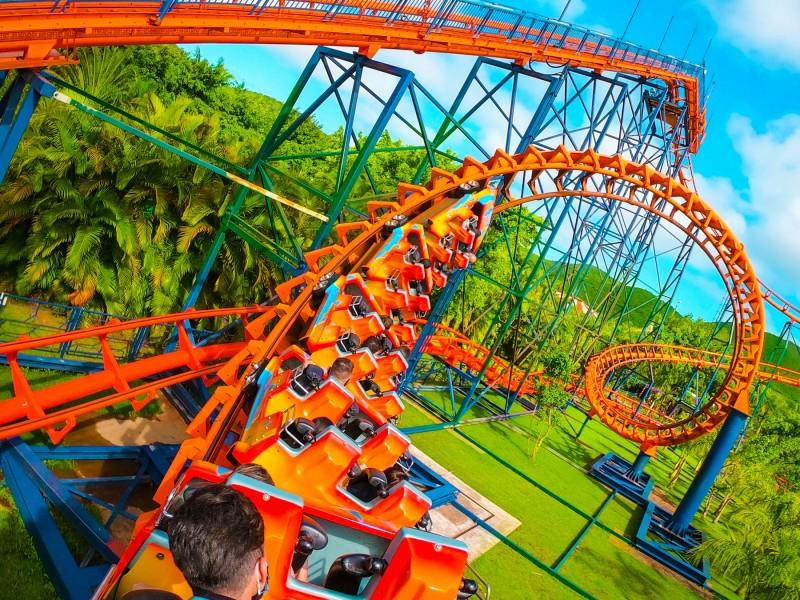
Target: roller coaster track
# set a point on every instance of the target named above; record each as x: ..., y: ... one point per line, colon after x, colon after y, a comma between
x: 783, y: 305
x: 28, y: 410
x: 667, y: 198
x: 457, y: 350
x: 376, y: 282
x: 40, y: 34
x: 626, y: 410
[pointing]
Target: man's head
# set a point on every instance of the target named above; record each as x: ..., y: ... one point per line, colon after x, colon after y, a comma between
x: 217, y: 541
x: 341, y: 369
x: 254, y: 471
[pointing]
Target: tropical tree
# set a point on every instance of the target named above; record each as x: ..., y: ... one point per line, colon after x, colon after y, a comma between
x: 550, y: 402
x: 760, y: 547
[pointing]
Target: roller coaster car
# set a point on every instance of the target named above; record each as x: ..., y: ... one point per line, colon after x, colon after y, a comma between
x: 322, y: 398
x: 315, y: 458
x: 349, y: 310
x: 399, y: 275
x: 466, y: 224
x: 305, y: 392
x: 402, y: 334
x: 345, y: 559
x: 295, y: 395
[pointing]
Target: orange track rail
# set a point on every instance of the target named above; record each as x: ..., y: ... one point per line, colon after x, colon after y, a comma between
x: 455, y: 348
x: 666, y: 197
x: 777, y: 301
x: 683, y: 208
x: 30, y: 32
x: 618, y: 408
x: 28, y: 409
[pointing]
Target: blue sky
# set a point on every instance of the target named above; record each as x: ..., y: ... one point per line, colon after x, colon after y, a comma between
x: 747, y: 167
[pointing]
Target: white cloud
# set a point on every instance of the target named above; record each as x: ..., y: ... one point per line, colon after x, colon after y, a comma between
x: 765, y: 28
x: 773, y: 175
x: 766, y: 215
x: 726, y: 200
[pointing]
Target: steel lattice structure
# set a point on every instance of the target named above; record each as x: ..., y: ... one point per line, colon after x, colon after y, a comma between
x: 592, y: 136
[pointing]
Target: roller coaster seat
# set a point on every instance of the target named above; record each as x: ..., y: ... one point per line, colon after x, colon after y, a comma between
x: 319, y: 472
x: 331, y: 400
x: 152, y: 568
x: 152, y: 565
x: 382, y: 450
x: 410, y: 565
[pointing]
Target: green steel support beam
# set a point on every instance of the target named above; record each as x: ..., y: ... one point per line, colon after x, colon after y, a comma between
x: 405, y: 81
x: 263, y: 244
x: 182, y: 153
x: 525, y: 553
x: 110, y: 107
x: 531, y: 282
x: 583, y: 533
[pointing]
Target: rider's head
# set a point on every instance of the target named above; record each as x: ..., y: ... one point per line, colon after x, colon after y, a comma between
x: 217, y: 541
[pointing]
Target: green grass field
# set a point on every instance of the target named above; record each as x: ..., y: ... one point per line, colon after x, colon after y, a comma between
x: 603, y: 565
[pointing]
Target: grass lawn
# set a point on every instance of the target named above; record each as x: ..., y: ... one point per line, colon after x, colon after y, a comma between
x: 603, y: 565
x: 21, y: 571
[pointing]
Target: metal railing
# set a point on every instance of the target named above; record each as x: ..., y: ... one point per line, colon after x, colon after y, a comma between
x: 474, y: 17
x: 484, y: 589
x: 32, y: 317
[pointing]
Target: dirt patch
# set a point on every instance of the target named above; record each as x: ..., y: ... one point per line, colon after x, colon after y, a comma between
x: 660, y: 499
x: 104, y: 430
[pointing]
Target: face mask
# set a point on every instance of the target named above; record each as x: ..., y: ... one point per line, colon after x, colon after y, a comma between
x: 262, y: 589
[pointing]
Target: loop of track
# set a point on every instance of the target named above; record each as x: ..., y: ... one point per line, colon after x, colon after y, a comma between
x: 666, y: 197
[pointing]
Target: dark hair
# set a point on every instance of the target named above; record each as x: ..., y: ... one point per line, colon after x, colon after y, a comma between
x: 374, y: 344
x: 342, y: 368
x: 254, y: 471
x: 216, y: 538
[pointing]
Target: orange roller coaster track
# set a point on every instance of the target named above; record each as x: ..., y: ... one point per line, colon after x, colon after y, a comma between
x: 29, y: 409
x: 666, y: 197
x: 454, y: 348
x: 36, y: 34
x: 375, y: 282
x: 622, y: 413
x: 780, y: 303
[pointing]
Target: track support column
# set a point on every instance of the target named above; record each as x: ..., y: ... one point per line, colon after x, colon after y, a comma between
x: 638, y: 466
x: 16, y: 110
x: 705, y: 478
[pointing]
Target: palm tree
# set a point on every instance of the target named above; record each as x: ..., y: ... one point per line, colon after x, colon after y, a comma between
x: 88, y: 207
x: 760, y: 547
